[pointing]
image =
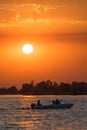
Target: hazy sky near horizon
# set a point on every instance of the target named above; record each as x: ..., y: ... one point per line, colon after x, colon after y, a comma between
x: 57, y: 30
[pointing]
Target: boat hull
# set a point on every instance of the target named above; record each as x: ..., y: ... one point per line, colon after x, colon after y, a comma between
x: 53, y: 106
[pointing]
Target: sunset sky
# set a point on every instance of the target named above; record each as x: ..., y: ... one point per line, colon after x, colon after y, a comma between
x: 57, y: 29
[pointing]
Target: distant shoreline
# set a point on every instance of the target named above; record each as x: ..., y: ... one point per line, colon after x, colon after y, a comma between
x: 45, y: 94
x: 47, y: 88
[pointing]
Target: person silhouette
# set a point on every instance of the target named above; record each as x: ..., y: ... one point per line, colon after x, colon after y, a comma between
x: 38, y: 103
x: 53, y: 102
x: 57, y: 101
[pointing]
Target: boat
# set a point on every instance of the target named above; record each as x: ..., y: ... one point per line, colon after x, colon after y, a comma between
x: 52, y: 106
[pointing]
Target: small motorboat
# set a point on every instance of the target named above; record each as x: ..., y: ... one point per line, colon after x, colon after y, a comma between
x: 52, y: 106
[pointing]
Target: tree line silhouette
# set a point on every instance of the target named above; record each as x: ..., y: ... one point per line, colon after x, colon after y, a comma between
x: 48, y: 88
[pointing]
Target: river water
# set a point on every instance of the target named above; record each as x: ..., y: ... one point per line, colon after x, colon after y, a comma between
x: 15, y: 113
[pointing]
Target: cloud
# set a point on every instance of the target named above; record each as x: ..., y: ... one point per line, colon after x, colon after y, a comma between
x: 28, y: 21
x: 55, y: 14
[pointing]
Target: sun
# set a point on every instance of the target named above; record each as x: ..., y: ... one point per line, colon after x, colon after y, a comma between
x: 27, y: 48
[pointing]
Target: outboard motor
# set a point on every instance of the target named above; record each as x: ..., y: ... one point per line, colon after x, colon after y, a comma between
x: 32, y: 105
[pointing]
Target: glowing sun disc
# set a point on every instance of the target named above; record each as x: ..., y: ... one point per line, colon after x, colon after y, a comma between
x: 27, y: 48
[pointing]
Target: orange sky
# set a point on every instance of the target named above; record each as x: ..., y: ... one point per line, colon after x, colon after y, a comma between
x: 57, y: 29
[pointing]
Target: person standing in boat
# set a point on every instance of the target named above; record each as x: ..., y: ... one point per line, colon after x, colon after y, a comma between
x: 38, y: 103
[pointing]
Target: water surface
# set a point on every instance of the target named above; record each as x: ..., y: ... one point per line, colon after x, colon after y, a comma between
x: 16, y: 114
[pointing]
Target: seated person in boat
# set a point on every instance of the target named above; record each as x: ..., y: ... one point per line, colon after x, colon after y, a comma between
x: 53, y: 102
x: 38, y: 103
x: 56, y: 101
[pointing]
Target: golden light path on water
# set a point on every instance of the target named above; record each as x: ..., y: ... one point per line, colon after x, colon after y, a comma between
x: 18, y: 114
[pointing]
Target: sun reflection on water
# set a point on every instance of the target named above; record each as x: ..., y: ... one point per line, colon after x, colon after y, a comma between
x: 16, y: 113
